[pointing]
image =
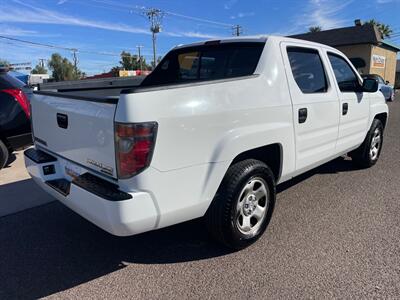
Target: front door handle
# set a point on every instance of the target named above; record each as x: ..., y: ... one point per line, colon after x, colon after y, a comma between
x: 302, y: 115
x: 345, y: 109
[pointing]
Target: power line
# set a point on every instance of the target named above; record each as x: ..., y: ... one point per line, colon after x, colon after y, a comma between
x: 143, y: 8
x: 64, y: 48
x: 198, y: 19
x: 36, y: 44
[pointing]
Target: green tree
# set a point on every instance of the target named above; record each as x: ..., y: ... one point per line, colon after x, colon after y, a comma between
x: 315, y: 29
x: 62, y: 69
x: 384, y: 29
x: 131, y: 62
x: 39, y: 69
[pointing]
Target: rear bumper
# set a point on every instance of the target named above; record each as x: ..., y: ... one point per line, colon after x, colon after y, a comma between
x: 97, y: 200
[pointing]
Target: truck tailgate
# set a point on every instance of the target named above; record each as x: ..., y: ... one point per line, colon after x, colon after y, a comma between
x: 80, y: 130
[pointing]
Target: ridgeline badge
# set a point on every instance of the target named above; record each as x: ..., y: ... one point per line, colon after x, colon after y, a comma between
x: 103, y: 168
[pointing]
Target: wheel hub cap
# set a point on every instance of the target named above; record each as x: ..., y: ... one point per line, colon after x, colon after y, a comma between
x: 375, y: 144
x: 252, y: 206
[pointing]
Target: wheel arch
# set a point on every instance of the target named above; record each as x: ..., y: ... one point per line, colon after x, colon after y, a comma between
x: 382, y: 117
x: 271, y: 155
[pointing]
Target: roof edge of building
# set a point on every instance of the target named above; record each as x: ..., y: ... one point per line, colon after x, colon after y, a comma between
x: 390, y: 45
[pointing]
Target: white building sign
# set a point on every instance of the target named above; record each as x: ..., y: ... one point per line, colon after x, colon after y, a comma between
x: 378, y: 61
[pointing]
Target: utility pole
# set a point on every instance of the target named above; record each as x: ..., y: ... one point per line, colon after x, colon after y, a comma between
x: 140, y: 57
x: 75, y: 59
x: 237, y: 30
x: 155, y: 16
x: 41, y: 62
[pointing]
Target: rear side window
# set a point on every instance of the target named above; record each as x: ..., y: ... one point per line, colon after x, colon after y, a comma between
x: 207, y: 62
x: 308, y: 70
x: 345, y: 76
x: 212, y: 64
x: 188, y: 65
x: 9, y: 82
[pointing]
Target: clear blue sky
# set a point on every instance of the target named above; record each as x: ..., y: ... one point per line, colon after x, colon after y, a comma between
x: 112, y: 26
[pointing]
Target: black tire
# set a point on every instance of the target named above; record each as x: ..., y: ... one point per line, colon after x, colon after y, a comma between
x: 4, y: 155
x: 222, y: 216
x: 362, y: 156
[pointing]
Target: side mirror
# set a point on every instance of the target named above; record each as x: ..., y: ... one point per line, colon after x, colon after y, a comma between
x: 370, y: 85
x: 387, y: 82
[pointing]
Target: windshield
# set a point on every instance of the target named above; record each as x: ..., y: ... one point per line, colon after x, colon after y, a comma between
x: 207, y: 62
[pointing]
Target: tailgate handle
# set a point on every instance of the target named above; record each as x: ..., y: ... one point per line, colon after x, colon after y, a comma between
x: 62, y: 120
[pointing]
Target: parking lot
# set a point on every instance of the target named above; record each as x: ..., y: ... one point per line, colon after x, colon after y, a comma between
x: 335, y: 233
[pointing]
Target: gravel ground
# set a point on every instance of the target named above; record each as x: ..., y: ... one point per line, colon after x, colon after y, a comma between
x: 335, y: 233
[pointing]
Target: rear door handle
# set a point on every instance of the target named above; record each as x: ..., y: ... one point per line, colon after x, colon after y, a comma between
x: 345, y: 109
x: 302, y: 115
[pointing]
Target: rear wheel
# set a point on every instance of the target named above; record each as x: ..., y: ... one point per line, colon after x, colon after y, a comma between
x: 368, y: 153
x: 4, y: 154
x: 243, y: 205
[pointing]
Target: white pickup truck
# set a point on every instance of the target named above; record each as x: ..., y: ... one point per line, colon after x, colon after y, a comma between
x: 209, y: 133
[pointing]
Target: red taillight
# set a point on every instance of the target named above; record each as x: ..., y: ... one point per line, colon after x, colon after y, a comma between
x: 21, y: 98
x: 134, y: 147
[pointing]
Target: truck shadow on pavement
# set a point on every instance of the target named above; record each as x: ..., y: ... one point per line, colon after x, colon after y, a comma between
x: 338, y: 165
x: 11, y: 159
x: 49, y: 249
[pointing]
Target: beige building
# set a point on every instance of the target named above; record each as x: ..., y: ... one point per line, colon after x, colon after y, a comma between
x: 363, y: 45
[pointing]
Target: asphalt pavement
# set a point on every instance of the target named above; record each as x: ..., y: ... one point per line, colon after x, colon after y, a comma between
x: 335, y: 233
x: 17, y: 190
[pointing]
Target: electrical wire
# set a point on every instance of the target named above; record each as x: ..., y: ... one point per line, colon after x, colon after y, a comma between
x: 66, y: 48
x: 142, y: 9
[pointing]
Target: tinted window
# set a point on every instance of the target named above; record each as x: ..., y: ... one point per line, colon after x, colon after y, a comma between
x: 307, y: 69
x: 212, y: 65
x: 346, y: 78
x: 7, y: 82
x: 188, y: 65
x: 206, y: 62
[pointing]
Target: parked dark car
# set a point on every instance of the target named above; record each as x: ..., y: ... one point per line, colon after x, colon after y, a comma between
x: 384, y: 86
x: 15, y: 129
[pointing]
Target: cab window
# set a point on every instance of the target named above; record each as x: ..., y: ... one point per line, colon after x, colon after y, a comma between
x: 345, y: 76
x: 308, y: 70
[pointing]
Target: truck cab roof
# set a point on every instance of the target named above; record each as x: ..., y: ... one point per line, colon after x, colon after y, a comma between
x: 254, y: 38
